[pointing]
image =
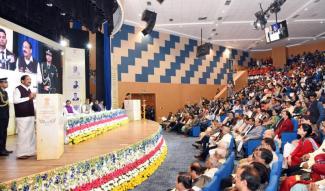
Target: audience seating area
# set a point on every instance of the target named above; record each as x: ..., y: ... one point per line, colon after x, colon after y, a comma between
x: 266, y: 135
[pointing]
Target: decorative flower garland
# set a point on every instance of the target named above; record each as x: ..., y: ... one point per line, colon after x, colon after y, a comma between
x: 86, y: 126
x: 120, y: 170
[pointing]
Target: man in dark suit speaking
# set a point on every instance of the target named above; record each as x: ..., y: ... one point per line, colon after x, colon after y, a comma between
x: 7, y: 58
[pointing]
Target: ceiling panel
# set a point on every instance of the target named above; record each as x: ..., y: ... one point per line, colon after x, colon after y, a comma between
x: 235, y: 29
x: 312, y: 11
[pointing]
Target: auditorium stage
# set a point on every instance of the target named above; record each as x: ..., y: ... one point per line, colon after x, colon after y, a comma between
x: 114, y: 140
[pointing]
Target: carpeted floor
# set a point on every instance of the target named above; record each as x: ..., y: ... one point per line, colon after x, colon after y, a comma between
x: 180, y: 155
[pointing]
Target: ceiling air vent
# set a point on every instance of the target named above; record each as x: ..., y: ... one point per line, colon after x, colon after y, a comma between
x: 227, y: 2
x: 220, y: 18
x: 202, y: 18
x: 294, y: 17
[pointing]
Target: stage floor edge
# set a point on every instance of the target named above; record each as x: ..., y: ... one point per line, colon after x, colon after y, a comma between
x: 116, y: 139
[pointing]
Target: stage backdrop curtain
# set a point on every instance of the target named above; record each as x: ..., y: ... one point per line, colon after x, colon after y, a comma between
x: 107, y: 68
x: 35, y: 48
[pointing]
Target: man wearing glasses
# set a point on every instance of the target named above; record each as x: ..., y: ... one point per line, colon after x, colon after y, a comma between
x: 4, y: 117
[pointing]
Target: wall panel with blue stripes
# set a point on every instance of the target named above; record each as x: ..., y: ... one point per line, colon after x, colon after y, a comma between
x: 166, y: 58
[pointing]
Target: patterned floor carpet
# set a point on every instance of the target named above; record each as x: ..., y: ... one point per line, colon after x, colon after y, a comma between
x: 180, y: 155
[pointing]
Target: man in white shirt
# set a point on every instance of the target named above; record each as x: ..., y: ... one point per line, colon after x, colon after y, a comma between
x: 25, y: 119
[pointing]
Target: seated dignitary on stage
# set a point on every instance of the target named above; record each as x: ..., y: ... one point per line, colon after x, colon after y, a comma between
x: 86, y: 108
x: 68, y: 109
x: 25, y: 119
x: 4, y: 116
x: 96, y: 107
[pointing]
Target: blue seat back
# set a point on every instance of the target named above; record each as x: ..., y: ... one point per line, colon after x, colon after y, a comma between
x: 288, y: 137
x: 273, y: 184
x: 195, y: 131
x: 223, y: 117
x: 231, y: 144
x: 214, y: 184
x: 252, y: 144
x: 229, y: 164
x: 295, y: 124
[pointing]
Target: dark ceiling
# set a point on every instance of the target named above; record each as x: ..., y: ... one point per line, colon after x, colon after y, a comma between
x: 51, y: 18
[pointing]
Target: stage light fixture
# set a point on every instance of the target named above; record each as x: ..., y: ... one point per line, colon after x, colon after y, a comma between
x: 89, y: 46
x: 262, y: 16
x: 150, y: 18
x: 261, y: 20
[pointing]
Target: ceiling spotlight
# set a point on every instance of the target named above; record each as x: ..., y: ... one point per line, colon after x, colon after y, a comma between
x: 62, y: 13
x: 63, y: 43
x: 89, y: 46
x: 150, y: 18
x: 261, y: 20
x: 49, y: 3
x: 262, y: 16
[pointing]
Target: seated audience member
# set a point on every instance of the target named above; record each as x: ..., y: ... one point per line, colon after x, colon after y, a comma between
x: 86, y: 108
x: 218, y: 143
x: 264, y: 174
x: 298, y: 109
x: 247, y: 179
x: 305, y: 145
x: 300, y: 182
x: 273, y: 120
x: 68, y: 109
x: 263, y: 156
x: 188, y: 125
x: 166, y: 120
x: 197, y: 174
x: 293, y: 182
x: 254, y: 132
x: 183, y: 182
x: 96, y: 107
x: 211, y: 165
x: 313, y: 109
x: 268, y: 143
x: 285, y: 125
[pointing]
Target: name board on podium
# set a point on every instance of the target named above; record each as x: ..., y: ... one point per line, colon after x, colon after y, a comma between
x: 49, y: 126
x: 133, y: 109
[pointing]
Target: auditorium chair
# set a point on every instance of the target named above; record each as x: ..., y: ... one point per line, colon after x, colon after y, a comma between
x: 229, y: 164
x: 273, y: 184
x: 252, y: 144
x: 232, y: 145
x: 195, y: 131
x: 290, y: 136
x: 214, y: 184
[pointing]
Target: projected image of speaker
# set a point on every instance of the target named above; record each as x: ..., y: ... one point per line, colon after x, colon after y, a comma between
x: 203, y: 49
x: 150, y: 18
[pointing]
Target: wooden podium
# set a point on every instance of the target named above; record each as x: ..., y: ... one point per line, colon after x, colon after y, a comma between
x: 133, y: 109
x: 49, y: 126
